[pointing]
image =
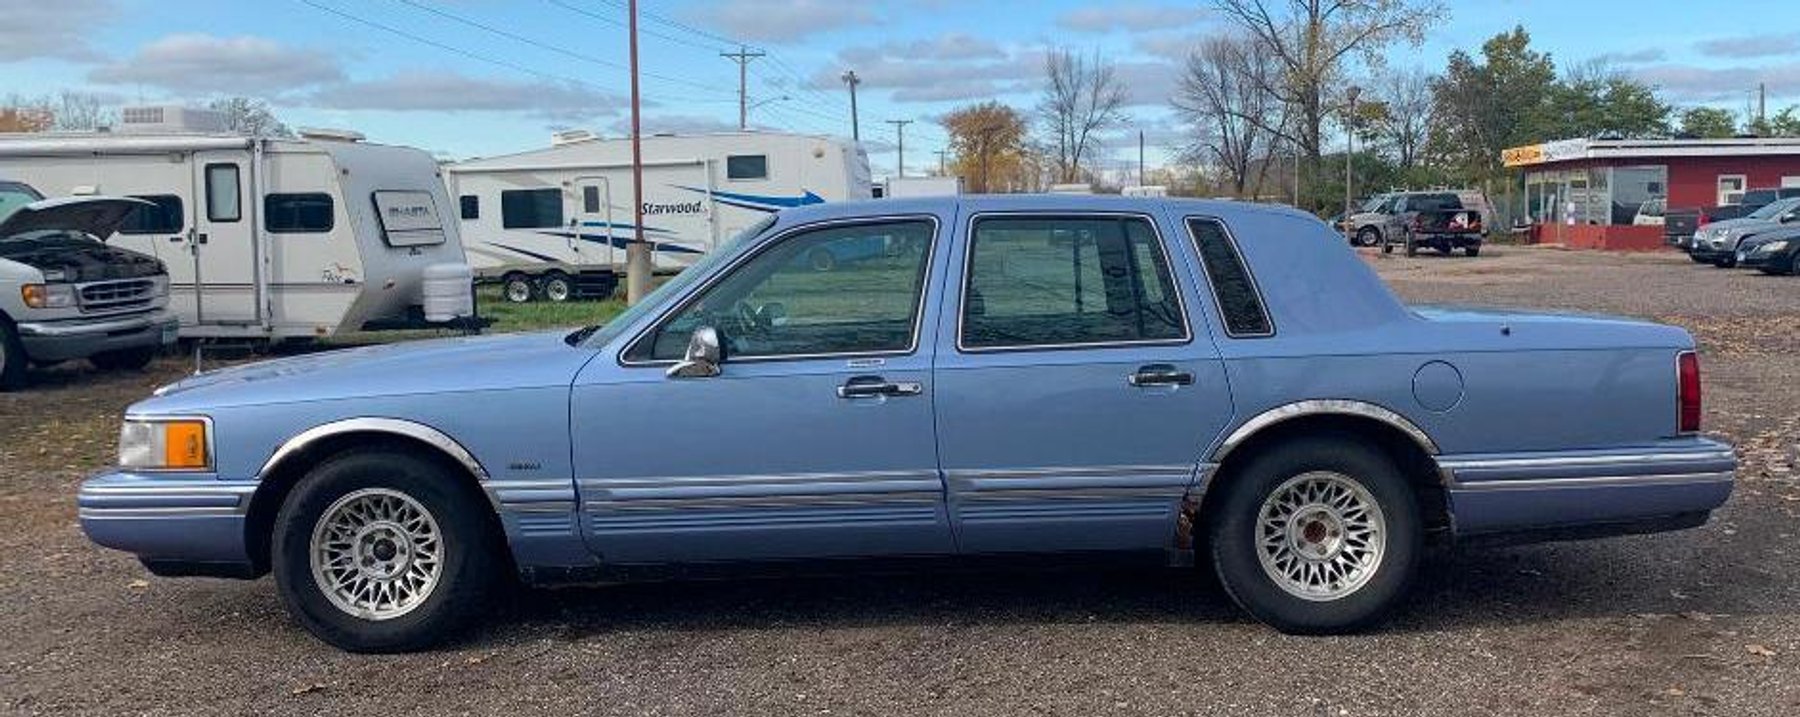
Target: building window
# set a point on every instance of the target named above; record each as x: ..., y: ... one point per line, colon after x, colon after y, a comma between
x: 308, y: 213
x: 471, y: 206
x: 222, y: 193
x: 531, y: 208
x: 747, y: 166
x: 164, y: 218
x: 1731, y: 188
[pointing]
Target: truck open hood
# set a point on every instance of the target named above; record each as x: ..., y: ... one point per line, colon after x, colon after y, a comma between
x: 96, y: 216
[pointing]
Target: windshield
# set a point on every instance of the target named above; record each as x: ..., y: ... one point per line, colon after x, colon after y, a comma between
x: 1373, y: 203
x: 599, y: 335
x: 1775, y: 209
x: 14, y: 195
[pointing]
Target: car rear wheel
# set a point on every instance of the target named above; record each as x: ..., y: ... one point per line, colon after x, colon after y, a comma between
x: 1320, y: 536
x: 381, y: 551
x: 12, y: 357
x: 517, y: 288
x: 133, y: 359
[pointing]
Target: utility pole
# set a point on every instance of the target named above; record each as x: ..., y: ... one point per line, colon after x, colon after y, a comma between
x: 1141, y: 181
x: 1762, y: 104
x: 942, y: 164
x: 743, y: 57
x: 900, y: 131
x: 1349, y: 153
x: 849, y: 77
x: 637, y: 253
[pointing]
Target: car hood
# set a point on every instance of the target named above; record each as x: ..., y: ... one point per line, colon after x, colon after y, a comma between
x: 98, y: 217
x: 477, y: 363
x: 1741, y: 223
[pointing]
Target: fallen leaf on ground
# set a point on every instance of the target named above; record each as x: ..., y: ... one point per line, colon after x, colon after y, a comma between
x: 303, y: 689
x: 138, y: 584
x: 1759, y: 650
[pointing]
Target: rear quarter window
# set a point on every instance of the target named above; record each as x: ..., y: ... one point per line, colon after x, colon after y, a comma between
x: 1240, y: 303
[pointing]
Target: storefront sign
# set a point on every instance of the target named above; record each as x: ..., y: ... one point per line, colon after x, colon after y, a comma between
x: 1557, y: 151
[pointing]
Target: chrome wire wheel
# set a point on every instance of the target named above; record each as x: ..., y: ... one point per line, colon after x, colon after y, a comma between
x: 377, y: 554
x: 1320, y: 536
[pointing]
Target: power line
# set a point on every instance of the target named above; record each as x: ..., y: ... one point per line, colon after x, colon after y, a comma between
x: 451, y: 48
x: 621, y: 23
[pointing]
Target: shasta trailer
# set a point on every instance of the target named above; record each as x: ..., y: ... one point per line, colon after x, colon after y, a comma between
x: 268, y: 238
x: 554, y: 222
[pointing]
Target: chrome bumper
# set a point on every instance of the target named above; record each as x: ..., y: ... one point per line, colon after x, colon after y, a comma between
x: 65, y: 339
x: 1576, y: 489
x: 167, y: 518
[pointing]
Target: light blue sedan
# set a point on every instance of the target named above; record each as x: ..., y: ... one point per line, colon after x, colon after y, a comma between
x: 1206, y: 382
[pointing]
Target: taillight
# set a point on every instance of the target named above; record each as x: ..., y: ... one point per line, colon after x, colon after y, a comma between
x: 1687, y: 370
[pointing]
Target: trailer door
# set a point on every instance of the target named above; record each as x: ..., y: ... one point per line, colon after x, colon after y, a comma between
x: 223, y: 239
x: 594, y: 235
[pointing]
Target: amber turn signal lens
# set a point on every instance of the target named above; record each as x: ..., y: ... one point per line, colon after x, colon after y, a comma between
x: 184, y: 444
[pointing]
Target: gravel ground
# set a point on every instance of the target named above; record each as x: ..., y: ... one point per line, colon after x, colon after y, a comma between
x: 1700, y: 622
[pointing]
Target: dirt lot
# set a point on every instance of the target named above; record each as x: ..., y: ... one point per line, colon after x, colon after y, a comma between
x: 1700, y: 622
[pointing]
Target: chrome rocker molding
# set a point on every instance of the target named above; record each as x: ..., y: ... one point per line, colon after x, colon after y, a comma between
x: 392, y: 426
x: 1323, y: 407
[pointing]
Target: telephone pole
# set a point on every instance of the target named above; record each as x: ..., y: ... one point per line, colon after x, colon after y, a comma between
x: 900, y: 131
x: 849, y: 77
x: 942, y: 170
x: 743, y: 57
x: 1141, y: 181
x: 637, y: 253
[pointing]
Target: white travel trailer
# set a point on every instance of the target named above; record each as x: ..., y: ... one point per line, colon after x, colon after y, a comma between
x: 554, y: 222
x: 267, y: 238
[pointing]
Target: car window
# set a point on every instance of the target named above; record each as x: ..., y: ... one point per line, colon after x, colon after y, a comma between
x: 1068, y: 281
x: 1775, y: 209
x: 851, y: 289
x: 1240, y: 304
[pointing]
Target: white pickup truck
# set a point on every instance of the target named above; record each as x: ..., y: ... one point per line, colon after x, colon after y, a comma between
x: 65, y: 294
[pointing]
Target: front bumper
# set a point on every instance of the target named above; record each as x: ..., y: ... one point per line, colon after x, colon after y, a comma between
x: 66, y: 339
x: 1673, y: 484
x: 187, y: 525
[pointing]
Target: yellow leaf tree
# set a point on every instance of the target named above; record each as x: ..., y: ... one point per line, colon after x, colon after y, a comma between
x: 988, y: 140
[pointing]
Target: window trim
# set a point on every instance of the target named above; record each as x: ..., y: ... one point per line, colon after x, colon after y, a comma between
x: 237, y: 181
x: 766, y: 174
x: 1262, y: 302
x: 652, y: 325
x: 1743, y: 184
x: 962, y: 299
x: 180, y: 210
x: 268, y: 215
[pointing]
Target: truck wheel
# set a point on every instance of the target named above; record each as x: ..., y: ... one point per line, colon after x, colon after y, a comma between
x: 557, y: 287
x: 383, y: 551
x: 1472, y: 250
x: 517, y: 288
x: 1321, y: 536
x: 1368, y: 236
x: 12, y: 357
x: 134, y: 359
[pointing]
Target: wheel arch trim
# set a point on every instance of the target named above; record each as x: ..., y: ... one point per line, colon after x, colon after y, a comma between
x: 391, y: 426
x: 1323, y: 407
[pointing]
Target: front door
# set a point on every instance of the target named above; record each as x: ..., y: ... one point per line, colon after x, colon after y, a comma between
x: 814, y: 439
x: 1075, y: 398
x: 222, y: 245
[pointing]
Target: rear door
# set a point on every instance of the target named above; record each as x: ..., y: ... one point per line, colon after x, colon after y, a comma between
x: 1074, y: 395
x: 223, y: 240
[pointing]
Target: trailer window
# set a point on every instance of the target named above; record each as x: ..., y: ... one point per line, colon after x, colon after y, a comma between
x: 471, y: 206
x: 747, y: 166
x: 308, y: 213
x: 164, y: 218
x: 531, y: 208
x: 222, y: 193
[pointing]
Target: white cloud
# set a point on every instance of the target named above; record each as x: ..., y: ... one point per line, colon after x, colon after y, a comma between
x: 1633, y: 57
x: 954, y: 46
x: 1687, y: 83
x: 1131, y: 17
x: 440, y: 91
x: 32, y: 29
x: 783, y: 20
x: 951, y: 68
x: 204, y: 64
x: 673, y: 124
x: 1747, y: 46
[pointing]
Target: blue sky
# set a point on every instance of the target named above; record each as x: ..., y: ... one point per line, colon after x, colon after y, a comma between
x: 482, y: 77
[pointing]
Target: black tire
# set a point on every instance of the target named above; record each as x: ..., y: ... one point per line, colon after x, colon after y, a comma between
x: 1697, y: 259
x: 517, y: 289
x: 1472, y: 250
x: 471, y: 561
x: 821, y: 259
x: 1234, y: 539
x: 1387, y: 247
x: 1726, y: 263
x: 557, y: 287
x: 12, y: 357
x: 132, y: 359
x: 1368, y: 236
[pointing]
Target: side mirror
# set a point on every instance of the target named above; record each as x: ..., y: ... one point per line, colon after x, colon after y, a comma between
x: 703, y: 356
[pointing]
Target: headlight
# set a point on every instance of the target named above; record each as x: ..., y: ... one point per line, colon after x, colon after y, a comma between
x: 159, y: 285
x: 1772, y: 247
x: 165, y: 444
x: 48, y: 296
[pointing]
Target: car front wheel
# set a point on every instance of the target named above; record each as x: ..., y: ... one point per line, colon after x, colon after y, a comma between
x: 381, y: 551
x: 1321, y: 536
x: 1368, y: 236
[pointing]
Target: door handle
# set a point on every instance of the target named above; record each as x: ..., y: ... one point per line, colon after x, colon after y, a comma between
x: 1160, y: 374
x: 876, y: 386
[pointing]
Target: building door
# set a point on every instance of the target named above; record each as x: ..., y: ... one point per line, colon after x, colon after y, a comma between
x: 222, y: 245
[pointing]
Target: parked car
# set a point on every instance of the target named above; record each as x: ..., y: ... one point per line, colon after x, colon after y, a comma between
x: 1718, y: 242
x: 1053, y: 374
x: 1680, y: 225
x: 65, y: 294
x: 1650, y: 213
x: 1772, y: 252
x: 1386, y: 219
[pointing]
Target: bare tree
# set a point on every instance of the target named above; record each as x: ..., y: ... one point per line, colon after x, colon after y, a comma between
x: 1083, y: 97
x: 1222, y: 95
x: 82, y: 112
x: 251, y: 117
x: 1406, y: 95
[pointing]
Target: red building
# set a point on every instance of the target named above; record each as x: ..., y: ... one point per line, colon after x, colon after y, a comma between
x: 1588, y: 193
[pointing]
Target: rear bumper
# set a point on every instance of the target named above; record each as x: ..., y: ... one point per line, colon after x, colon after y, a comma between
x: 1454, y: 241
x: 79, y: 338
x: 175, y: 525
x: 1668, y: 486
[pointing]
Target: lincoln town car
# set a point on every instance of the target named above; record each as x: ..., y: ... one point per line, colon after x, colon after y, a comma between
x: 1211, y: 384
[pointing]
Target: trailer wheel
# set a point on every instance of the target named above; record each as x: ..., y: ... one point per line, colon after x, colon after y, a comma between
x: 517, y: 288
x: 12, y: 357
x: 557, y: 287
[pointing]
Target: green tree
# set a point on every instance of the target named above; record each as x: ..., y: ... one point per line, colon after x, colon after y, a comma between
x: 1785, y: 123
x: 1594, y: 99
x: 1708, y: 122
x: 1485, y: 107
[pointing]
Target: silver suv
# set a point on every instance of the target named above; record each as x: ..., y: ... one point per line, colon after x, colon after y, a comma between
x: 65, y: 294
